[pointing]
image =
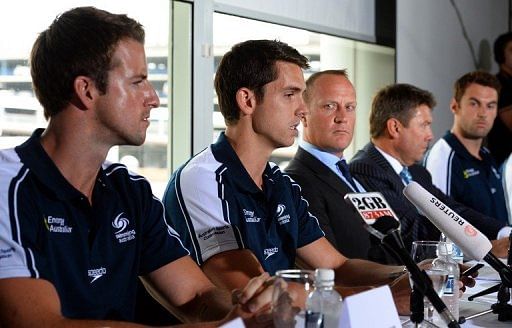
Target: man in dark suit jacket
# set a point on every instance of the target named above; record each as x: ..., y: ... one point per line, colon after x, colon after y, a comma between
x: 328, y: 130
x: 400, y: 121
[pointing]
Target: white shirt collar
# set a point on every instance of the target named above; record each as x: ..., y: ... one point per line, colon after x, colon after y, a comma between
x: 395, y: 164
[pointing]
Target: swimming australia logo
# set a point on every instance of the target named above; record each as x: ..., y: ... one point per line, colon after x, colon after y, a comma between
x: 95, y: 274
x: 268, y: 252
x: 250, y: 217
x: 56, y: 224
x: 121, y: 223
x: 280, y: 210
x: 281, y: 217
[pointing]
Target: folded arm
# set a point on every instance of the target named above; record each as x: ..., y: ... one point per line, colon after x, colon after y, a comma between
x: 29, y: 302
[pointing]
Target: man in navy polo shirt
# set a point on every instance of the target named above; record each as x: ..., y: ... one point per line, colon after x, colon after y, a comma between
x: 238, y: 214
x: 76, y: 231
x: 460, y: 166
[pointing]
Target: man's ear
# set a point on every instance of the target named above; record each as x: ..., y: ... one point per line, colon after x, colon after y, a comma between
x: 393, y: 126
x: 85, y: 92
x: 246, y: 100
x: 454, y: 106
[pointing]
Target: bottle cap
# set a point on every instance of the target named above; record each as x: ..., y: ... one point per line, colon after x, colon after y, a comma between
x: 324, y: 277
x: 445, y: 248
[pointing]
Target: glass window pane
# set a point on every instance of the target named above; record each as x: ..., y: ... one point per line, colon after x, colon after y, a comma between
x: 369, y: 66
x: 20, y: 112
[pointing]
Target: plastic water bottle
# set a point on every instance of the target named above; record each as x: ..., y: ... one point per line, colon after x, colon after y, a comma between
x: 457, y: 253
x: 323, y: 305
x: 445, y: 261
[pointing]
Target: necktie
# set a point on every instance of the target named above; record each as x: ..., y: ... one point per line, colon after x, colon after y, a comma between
x: 343, y: 167
x: 406, y: 175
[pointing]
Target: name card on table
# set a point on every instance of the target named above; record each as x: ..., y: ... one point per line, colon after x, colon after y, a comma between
x: 372, y: 308
x: 235, y: 323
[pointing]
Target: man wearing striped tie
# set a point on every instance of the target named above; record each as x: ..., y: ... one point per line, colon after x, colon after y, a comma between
x: 400, y: 130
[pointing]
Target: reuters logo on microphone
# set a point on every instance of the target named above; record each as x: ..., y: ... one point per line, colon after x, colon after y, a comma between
x: 470, y: 231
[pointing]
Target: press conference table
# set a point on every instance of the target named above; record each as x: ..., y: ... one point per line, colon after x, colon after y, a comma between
x: 487, y: 278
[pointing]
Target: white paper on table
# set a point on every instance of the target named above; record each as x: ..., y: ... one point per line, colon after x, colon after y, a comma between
x: 372, y: 308
x: 235, y: 323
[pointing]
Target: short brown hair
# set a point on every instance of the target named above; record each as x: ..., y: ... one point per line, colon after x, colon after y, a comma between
x: 81, y: 41
x: 250, y: 64
x: 397, y: 101
x: 478, y: 77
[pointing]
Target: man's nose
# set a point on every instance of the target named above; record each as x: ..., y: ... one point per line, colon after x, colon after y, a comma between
x: 152, y: 99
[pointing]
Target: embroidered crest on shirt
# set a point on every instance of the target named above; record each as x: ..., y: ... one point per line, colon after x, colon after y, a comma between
x: 471, y: 172
x: 121, y: 223
x: 281, y: 217
x: 56, y: 224
x: 95, y: 274
x: 250, y: 217
x: 268, y: 252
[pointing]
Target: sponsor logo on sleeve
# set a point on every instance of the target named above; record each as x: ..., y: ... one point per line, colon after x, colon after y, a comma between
x: 121, y: 223
x: 212, y: 232
x: 6, y: 253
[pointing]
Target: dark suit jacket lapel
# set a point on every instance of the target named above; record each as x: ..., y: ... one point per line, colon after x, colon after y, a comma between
x: 381, y: 161
x: 323, y: 173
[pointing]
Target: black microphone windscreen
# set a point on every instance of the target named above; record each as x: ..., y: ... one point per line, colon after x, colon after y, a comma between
x: 385, y: 224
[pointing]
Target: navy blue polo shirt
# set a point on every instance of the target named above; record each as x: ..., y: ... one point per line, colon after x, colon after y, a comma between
x: 473, y: 182
x: 215, y: 206
x: 93, y: 255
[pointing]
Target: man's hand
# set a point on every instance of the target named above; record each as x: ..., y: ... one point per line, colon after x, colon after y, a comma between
x: 467, y: 280
x: 500, y: 247
x: 253, y: 302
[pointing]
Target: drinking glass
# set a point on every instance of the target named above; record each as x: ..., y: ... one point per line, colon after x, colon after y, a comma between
x: 291, y: 289
x: 427, y: 250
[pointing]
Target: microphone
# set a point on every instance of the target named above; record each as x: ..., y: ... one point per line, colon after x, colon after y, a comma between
x: 469, y: 239
x: 386, y: 227
x: 371, y: 206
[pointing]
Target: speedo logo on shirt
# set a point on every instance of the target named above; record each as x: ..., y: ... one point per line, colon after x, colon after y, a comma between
x: 281, y: 217
x: 121, y: 223
x: 250, y: 217
x: 56, y: 224
x: 268, y: 252
x: 95, y: 274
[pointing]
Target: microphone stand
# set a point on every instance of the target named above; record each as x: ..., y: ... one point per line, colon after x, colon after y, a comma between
x: 501, y: 307
x: 417, y: 306
x: 421, y: 280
